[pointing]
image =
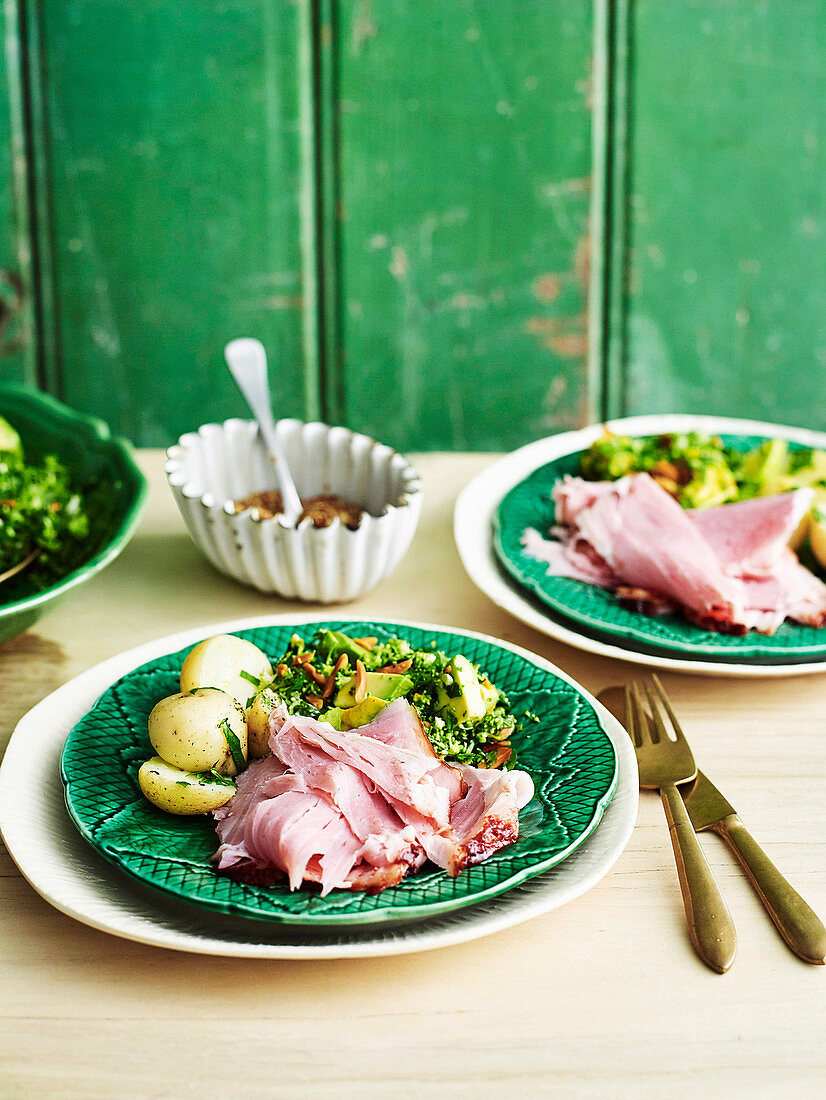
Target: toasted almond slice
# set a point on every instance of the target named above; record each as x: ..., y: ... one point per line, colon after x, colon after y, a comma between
x: 315, y: 701
x: 360, y: 688
x: 316, y: 676
x: 366, y: 643
x: 503, y: 754
x: 402, y: 666
x: 341, y: 663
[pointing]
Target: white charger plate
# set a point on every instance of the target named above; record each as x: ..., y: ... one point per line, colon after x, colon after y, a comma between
x: 477, y: 507
x: 72, y: 877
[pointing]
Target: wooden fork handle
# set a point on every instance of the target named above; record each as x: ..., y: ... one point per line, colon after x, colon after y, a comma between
x: 799, y: 925
x: 710, y: 926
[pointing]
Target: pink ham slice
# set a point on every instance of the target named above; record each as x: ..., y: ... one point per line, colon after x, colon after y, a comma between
x: 361, y: 810
x: 399, y: 725
x: 484, y: 814
x: 571, y: 558
x: 728, y: 567
x: 751, y: 536
x: 270, y: 829
x: 402, y: 776
x: 648, y: 540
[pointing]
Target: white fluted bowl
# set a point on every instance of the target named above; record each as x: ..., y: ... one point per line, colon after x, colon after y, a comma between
x: 209, y: 469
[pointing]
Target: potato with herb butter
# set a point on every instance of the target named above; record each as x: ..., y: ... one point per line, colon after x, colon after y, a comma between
x: 817, y: 536
x: 200, y: 730
x: 229, y: 663
x: 258, y: 722
x: 180, y: 792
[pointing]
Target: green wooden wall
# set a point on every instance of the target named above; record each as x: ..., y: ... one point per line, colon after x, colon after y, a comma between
x: 454, y: 223
x: 726, y: 217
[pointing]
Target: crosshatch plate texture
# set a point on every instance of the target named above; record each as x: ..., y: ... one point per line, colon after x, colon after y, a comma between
x: 567, y: 752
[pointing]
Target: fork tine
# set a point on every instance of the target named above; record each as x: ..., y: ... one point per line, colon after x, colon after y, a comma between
x: 678, y: 732
x: 632, y: 716
x: 659, y: 732
x: 642, y: 727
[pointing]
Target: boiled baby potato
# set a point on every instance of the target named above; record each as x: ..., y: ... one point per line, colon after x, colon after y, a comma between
x: 179, y: 792
x: 220, y: 661
x: 800, y: 532
x: 258, y: 722
x: 200, y: 730
x: 817, y: 536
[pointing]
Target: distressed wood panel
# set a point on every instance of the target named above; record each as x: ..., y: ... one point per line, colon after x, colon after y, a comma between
x: 727, y: 210
x: 464, y: 187
x: 172, y: 135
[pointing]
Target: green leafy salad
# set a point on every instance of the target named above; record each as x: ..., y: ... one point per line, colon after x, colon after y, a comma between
x: 702, y: 471
x: 348, y: 682
x: 45, y: 514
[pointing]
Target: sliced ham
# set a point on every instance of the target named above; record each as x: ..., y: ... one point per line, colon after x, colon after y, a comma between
x: 728, y: 568
x: 399, y: 725
x: 569, y: 558
x: 629, y: 529
x: 751, y: 536
x: 362, y: 809
x: 402, y: 776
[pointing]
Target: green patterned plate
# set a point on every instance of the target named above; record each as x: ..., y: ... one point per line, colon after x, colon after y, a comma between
x: 567, y: 752
x: 598, y: 612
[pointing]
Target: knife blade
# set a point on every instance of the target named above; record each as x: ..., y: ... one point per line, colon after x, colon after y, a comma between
x: 708, y: 809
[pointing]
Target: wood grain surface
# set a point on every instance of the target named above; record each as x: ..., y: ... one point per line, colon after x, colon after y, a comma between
x: 601, y: 998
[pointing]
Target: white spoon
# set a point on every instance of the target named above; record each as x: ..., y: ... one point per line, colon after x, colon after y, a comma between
x: 247, y: 362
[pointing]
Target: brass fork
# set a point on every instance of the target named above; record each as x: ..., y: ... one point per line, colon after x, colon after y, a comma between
x: 664, y: 761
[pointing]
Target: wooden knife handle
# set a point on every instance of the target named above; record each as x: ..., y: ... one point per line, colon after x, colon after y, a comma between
x: 796, y: 922
x: 710, y: 926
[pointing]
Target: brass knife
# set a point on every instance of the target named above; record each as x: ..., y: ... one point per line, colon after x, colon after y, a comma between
x: 796, y: 922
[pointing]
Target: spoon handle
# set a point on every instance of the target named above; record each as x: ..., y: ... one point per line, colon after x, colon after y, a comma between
x: 247, y: 362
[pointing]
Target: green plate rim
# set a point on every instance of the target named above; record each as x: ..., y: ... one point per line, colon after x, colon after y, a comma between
x: 634, y: 628
x: 410, y: 912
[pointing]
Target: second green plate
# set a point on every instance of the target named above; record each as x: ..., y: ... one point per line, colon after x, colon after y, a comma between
x: 529, y: 504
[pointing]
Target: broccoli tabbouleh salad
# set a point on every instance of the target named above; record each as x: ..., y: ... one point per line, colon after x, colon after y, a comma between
x: 347, y: 681
x: 45, y: 515
x: 701, y: 471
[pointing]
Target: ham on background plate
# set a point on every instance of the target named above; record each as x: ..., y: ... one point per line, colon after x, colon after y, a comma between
x: 727, y: 568
x: 362, y: 809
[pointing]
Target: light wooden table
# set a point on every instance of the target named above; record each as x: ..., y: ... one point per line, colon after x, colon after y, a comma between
x: 603, y: 997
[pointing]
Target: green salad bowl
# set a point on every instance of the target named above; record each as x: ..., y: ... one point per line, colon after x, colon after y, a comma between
x: 88, y: 448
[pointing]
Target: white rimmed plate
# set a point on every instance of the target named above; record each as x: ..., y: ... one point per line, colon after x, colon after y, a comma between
x: 477, y: 506
x: 72, y: 877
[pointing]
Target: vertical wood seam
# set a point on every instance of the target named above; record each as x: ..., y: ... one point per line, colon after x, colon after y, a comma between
x: 308, y: 210
x: 599, y: 214
x: 618, y: 199
x: 320, y: 238
x: 328, y: 149
x: 45, y: 304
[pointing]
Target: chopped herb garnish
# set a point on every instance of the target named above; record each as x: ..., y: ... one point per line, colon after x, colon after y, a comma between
x: 214, y: 776
x: 233, y: 743
x: 252, y: 679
